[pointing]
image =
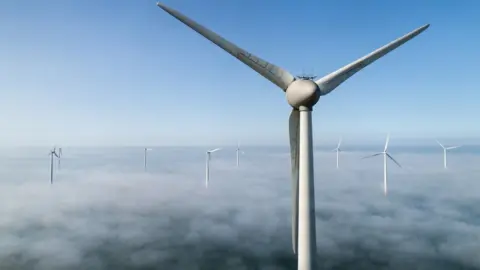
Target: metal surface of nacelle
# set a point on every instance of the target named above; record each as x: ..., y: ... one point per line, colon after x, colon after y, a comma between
x: 303, y: 93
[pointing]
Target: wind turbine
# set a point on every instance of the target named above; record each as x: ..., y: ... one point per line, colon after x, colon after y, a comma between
x: 302, y: 94
x: 445, y: 152
x: 51, y: 154
x: 238, y: 153
x: 207, y: 173
x: 385, y: 155
x: 145, y: 157
x: 338, y: 150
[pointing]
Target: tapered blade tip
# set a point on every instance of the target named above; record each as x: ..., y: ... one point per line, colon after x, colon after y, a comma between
x: 162, y: 6
x: 423, y: 28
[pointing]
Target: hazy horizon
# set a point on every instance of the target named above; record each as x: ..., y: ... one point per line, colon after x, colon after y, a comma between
x: 104, y: 212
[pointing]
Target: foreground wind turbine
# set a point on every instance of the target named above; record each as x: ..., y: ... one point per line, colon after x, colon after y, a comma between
x: 338, y: 150
x: 145, y: 158
x: 238, y: 154
x: 51, y: 154
x: 385, y: 155
x: 302, y: 94
x: 207, y: 172
x: 445, y: 152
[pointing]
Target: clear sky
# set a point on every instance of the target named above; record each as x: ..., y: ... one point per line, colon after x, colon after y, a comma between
x: 127, y: 73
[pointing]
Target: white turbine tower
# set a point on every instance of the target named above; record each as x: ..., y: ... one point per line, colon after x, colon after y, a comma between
x: 238, y: 153
x: 385, y: 155
x: 338, y: 150
x: 145, y: 150
x: 207, y: 166
x: 302, y: 94
x: 51, y: 154
x: 445, y: 152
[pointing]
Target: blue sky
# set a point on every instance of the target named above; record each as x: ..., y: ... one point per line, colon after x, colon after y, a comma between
x: 127, y: 73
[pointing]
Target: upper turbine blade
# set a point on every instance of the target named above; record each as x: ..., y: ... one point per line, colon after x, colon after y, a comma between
x: 214, y: 150
x: 339, y: 143
x: 294, y: 125
x: 276, y: 75
x: 334, y: 79
x: 372, y: 155
x: 386, y: 143
x: 440, y: 144
x: 388, y: 155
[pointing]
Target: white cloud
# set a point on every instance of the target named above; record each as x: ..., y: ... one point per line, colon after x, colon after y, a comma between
x: 104, y: 212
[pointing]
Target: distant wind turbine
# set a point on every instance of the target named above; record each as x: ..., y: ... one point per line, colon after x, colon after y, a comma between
x: 385, y: 155
x: 445, y: 152
x: 51, y: 154
x: 145, y: 158
x: 238, y: 154
x: 338, y: 150
x: 207, y: 173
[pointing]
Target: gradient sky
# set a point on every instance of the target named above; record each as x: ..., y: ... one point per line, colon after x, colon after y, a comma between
x: 126, y: 73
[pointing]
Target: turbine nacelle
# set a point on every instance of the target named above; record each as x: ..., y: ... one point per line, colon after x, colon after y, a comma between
x: 303, y: 93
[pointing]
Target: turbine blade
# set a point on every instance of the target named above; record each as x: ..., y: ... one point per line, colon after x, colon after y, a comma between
x: 386, y: 143
x: 374, y: 155
x: 214, y: 150
x: 294, y: 125
x: 334, y: 79
x: 276, y: 75
x: 453, y: 147
x: 388, y: 155
x: 440, y: 144
x: 339, y: 143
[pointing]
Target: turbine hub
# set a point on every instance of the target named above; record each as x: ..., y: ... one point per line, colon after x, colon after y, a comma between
x: 303, y: 93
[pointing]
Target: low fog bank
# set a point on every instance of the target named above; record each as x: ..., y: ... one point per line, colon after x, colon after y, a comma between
x: 104, y: 212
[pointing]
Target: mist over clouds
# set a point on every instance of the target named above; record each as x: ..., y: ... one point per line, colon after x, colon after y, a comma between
x: 104, y: 212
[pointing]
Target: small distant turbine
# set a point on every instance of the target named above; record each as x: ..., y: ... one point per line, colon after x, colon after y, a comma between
x: 445, y: 152
x: 145, y: 158
x: 338, y: 150
x: 238, y: 154
x: 207, y: 173
x: 51, y: 154
x: 385, y: 155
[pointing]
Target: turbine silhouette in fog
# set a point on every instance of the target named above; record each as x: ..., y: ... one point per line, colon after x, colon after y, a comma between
x: 145, y: 150
x: 238, y: 153
x: 445, y: 152
x: 338, y: 150
x: 51, y: 154
x: 207, y: 173
x: 385, y: 156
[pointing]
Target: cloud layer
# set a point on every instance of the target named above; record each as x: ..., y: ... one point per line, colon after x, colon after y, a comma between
x: 104, y: 212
